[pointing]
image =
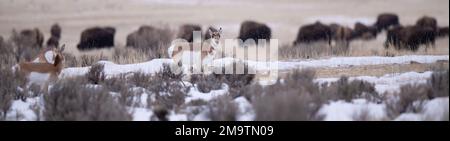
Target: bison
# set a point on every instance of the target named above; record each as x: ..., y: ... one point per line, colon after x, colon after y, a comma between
x: 97, y: 37
x: 55, y: 30
x: 443, y: 31
x: 364, y: 32
x: 386, y: 20
x: 314, y: 32
x: 427, y: 21
x: 410, y: 37
x: 53, y: 42
x: 187, y: 31
x: 148, y: 37
x: 55, y: 35
x: 255, y: 31
x: 342, y: 36
x: 29, y: 38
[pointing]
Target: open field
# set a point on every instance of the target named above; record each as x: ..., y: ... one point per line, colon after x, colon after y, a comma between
x: 366, y: 82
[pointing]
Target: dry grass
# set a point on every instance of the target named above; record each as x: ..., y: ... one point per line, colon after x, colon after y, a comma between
x: 96, y: 75
x: 9, y: 90
x: 299, y: 98
x: 376, y: 70
x: 71, y: 100
x: 349, y: 90
x: 412, y: 96
x: 357, y: 48
x: 222, y: 109
x: 119, y: 55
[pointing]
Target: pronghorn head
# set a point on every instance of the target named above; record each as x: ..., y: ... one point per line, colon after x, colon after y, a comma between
x: 215, y: 36
x: 59, y: 57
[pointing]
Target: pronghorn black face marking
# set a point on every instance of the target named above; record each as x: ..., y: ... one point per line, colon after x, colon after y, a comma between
x: 215, y: 35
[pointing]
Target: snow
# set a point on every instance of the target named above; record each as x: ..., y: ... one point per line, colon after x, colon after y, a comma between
x: 389, y: 82
x: 245, y: 109
x: 433, y: 110
x: 359, y: 61
x: 155, y: 65
x: 141, y: 114
x: 177, y: 117
x: 344, y: 111
x: 335, y: 110
x: 194, y: 94
x: 333, y: 62
x: 436, y: 109
x: 23, y: 109
x: 409, y: 117
x: 111, y: 68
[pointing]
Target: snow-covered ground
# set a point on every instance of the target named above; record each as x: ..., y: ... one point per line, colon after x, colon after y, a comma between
x: 389, y: 82
x: 156, y: 64
x: 336, y: 110
x: 358, y: 109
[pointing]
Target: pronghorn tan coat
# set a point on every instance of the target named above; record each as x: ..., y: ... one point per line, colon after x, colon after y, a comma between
x: 43, y: 67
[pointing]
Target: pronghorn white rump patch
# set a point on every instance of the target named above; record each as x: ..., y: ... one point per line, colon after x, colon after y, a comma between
x: 49, y: 56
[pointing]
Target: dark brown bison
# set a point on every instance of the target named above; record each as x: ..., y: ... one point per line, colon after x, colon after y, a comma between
x: 55, y: 35
x: 443, y: 31
x: 1, y: 40
x: 97, y: 37
x: 410, y: 37
x: 187, y: 31
x: 343, y: 33
x: 55, y: 30
x: 314, y: 32
x: 53, y: 41
x: 254, y: 30
x: 29, y: 38
x: 427, y: 21
x: 148, y: 37
x: 334, y: 27
x: 364, y: 32
x: 386, y: 20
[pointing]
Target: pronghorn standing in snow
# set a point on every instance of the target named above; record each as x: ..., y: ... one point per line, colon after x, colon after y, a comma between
x: 45, y: 68
x: 196, y: 54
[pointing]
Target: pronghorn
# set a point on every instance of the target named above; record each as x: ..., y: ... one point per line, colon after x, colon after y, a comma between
x: 41, y: 70
x: 189, y: 53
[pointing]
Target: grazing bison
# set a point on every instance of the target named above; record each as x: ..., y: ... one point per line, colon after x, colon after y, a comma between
x: 334, y: 27
x: 254, y: 30
x: 53, y: 41
x: 364, y: 32
x: 97, y: 37
x: 55, y: 35
x: 186, y: 31
x: 427, y: 22
x: 29, y: 38
x: 148, y: 37
x: 410, y: 37
x: 55, y: 31
x: 314, y: 32
x: 385, y: 20
x: 443, y: 31
x: 343, y: 35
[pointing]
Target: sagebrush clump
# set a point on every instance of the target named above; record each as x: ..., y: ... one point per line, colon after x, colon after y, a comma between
x: 71, y: 100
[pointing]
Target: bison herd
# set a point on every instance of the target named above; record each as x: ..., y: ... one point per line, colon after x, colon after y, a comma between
x: 423, y: 32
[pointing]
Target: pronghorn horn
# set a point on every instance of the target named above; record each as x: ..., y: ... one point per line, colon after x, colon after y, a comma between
x: 62, y: 48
